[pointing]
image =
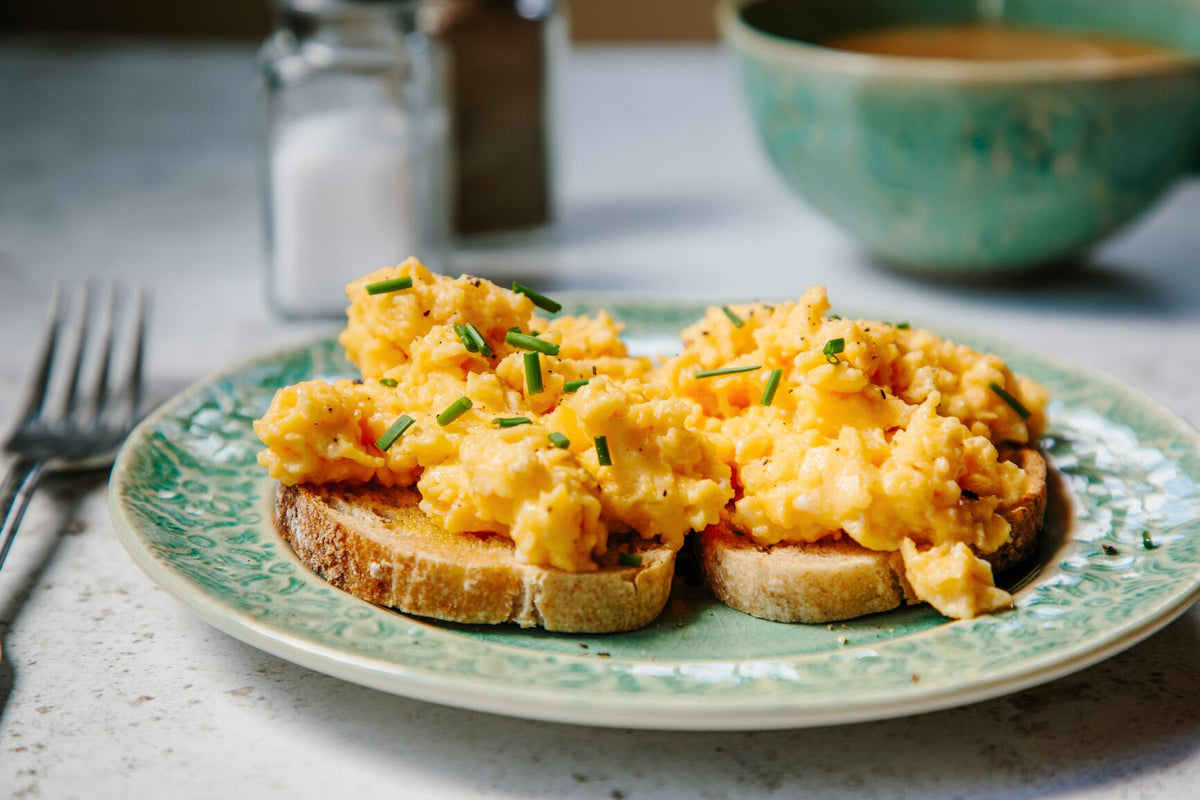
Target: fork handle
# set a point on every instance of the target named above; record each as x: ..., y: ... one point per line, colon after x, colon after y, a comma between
x: 22, y: 479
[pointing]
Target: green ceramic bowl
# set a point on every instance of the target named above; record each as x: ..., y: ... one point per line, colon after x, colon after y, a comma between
x: 972, y: 167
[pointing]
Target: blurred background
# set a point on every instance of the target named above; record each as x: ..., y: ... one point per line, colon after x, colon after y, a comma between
x: 591, y: 20
x: 133, y: 143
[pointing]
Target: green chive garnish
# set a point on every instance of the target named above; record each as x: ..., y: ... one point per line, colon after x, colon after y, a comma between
x: 394, y: 285
x: 1147, y: 542
x: 540, y: 300
x: 629, y: 560
x: 454, y: 411
x: 477, y: 339
x: 465, y: 338
x: 714, y: 373
x: 559, y: 441
x: 834, y: 316
x: 602, y: 451
x: 533, y: 373
x: 772, y: 385
x: 1013, y: 402
x: 734, y: 318
x: 832, y: 348
x: 903, y: 326
x: 526, y: 341
x: 402, y: 423
x: 511, y: 422
x: 575, y: 386
x: 391, y: 383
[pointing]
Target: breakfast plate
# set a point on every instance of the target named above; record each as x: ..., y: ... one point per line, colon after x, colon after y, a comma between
x: 1121, y: 559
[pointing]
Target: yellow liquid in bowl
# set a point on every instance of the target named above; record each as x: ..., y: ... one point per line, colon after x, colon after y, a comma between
x: 991, y: 42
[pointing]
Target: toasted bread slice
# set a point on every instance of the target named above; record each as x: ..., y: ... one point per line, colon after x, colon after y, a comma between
x: 1025, y: 515
x: 378, y: 545
x: 838, y: 580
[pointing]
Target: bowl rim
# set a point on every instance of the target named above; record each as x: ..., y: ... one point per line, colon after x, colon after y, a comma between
x: 745, y: 37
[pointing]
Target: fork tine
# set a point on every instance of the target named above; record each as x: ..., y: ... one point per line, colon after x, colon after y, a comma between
x: 85, y: 324
x: 50, y: 341
x: 141, y: 306
x: 100, y: 392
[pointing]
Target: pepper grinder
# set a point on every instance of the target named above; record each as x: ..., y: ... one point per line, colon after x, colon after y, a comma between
x: 497, y: 62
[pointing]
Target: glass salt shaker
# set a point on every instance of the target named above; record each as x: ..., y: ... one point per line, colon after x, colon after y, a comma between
x: 354, y: 178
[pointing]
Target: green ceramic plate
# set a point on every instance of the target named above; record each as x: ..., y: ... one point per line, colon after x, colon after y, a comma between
x: 192, y: 506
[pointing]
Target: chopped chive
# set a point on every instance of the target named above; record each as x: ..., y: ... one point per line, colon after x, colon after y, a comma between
x: 602, y: 451
x: 559, y: 441
x: 903, y: 326
x: 394, y: 285
x: 575, y: 386
x: 970, y: 495
x: 527, y: 341
x: 540, y: 300
x: 533, y: 373
x: 465, y: 338
x: 1147, y: 542
x: 734, y: 318
x: 629, y: 560
x: 771, y: 387
x: 1012, y: 402
x: 454, y: 411
x: 477, y: 339
x: 511, y: 422
x: 391, y: 383
x: 832, y: 348
x: 402, y: 423
x: 714, y: 373
x: 834, y: 316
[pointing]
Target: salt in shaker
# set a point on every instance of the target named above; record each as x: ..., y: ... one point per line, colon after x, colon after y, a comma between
x: 354, y: 178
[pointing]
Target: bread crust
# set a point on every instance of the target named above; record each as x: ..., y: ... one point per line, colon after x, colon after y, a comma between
x: 376, y: 544
x: 831, y: 581
x: 1026, y: 514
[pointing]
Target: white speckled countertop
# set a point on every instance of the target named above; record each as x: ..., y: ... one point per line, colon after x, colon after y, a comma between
x: 136, y: 160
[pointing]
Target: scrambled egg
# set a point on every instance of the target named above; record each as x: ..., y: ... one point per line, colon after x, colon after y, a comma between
x: 952, y: 579
x: 877, y: 432
x: 557, y: 504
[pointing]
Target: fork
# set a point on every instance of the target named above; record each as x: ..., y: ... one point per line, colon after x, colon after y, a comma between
x: 83, y: 398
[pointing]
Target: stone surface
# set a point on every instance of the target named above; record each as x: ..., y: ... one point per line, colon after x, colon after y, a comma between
x: 135, y: 160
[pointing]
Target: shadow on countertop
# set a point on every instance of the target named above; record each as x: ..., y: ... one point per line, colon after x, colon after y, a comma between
x: 1135, y: 713
x: 1075, y: 286
x: 65, y: 494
